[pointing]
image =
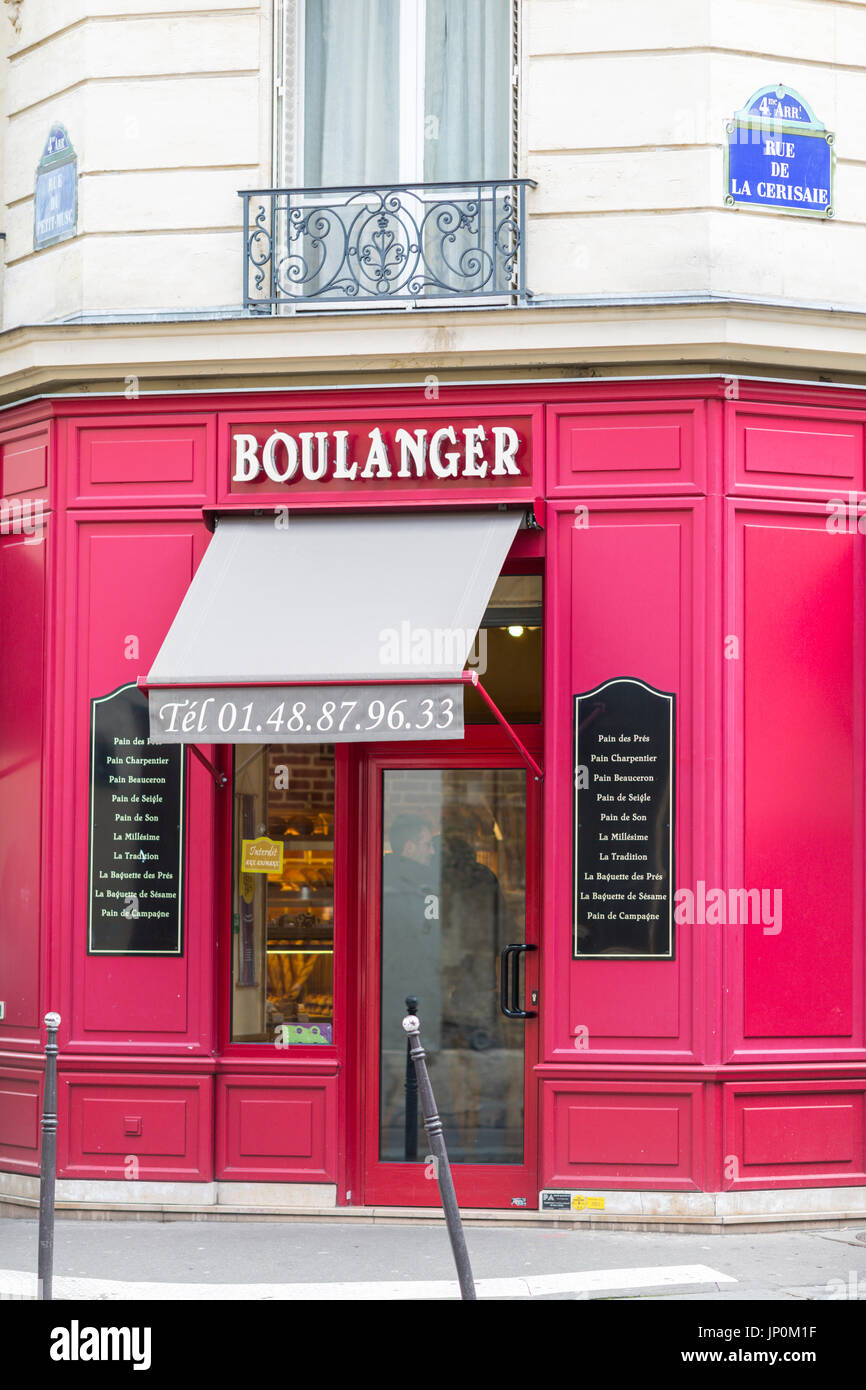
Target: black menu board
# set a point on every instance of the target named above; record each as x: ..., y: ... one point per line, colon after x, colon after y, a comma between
x: 623, y: 850
x: 136, y: 832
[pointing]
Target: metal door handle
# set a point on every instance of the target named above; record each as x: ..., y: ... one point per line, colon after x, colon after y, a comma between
x: 503, y: 980
x: 512, y: 1008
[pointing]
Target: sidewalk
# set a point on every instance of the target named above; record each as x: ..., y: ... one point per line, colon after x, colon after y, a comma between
x: 180, y: 1260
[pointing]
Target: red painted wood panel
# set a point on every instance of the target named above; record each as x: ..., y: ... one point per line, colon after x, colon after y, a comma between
x: 161, y: 458
x: 795, y: 452
x: 24, y: 462
x: 131, y: 578
x: 627, y: 448
x: 158, y: 458
x: 142, y: 1128
x: 278, y: 1129
x: 796, y: 975
x: 621, y: 1134
x: 624, y: 599
x: 157, y: 1126
x: 801, y: 1133
x: 787, y: 1134
x: 22, y: 671
x: 19, y: 1120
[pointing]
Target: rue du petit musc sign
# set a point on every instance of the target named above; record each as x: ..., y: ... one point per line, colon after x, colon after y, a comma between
x: 779, y: 156
x: 55, y: 204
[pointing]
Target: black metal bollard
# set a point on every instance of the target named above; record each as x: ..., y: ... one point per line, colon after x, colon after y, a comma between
x: 433, y: 1126
x: 410, y: 1128
x: 49, y: 1160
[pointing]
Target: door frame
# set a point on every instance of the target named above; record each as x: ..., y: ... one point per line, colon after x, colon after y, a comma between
x: 396, y: 1184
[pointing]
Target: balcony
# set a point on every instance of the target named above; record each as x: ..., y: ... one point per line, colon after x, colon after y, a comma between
x: 401, y: 244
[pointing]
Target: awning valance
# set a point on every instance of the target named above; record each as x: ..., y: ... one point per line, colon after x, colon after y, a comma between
x: 328, y: 628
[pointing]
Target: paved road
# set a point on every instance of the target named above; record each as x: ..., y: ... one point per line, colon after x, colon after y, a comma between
x: 267, y: 1260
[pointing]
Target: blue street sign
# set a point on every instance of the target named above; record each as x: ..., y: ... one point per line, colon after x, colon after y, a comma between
x: 780, y: 104
x: 779, y: 156
x: 55, y: 215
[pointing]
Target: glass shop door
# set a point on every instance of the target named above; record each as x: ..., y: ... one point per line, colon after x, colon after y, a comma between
x: 451, y: 902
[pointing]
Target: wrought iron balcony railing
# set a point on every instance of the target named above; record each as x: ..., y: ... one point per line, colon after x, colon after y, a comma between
x: 404, y: 242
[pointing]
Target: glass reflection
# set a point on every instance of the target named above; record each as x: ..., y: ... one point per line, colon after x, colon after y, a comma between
x: 453, y: 896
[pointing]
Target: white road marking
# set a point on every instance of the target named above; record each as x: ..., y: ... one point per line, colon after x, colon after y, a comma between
x: 16, y: 1284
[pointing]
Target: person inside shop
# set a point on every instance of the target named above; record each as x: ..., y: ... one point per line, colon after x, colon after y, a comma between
x: 408, y: 864
x: 476, y: 926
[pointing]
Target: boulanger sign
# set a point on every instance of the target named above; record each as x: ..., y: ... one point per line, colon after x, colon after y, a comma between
x: 465, y: 453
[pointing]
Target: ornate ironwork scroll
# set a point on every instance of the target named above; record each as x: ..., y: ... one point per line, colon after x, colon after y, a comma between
x: 405, y: 242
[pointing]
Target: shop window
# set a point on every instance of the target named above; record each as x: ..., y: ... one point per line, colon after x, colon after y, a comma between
x: 394, y: 91
x: 507, y: 653
x: 283, y: 894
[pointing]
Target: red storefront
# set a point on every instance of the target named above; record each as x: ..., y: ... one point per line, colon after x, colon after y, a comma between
x: 647, y: 577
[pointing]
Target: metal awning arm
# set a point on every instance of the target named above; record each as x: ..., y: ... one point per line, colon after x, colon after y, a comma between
x: 219, y: 777
x: 471, y: 678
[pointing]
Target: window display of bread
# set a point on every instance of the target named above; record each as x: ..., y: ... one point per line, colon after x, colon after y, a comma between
x: 290, y: 791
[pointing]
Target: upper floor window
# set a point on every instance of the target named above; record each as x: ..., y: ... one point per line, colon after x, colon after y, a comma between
x: 394, y: 91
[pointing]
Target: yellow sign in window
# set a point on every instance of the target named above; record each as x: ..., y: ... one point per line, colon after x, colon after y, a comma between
x: 261, y: 856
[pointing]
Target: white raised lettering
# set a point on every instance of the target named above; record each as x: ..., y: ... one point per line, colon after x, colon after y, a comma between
x: 416, y: 446
x: 473, y: 451
x: 314, y: 471
x: 247, y: 466
x: 269, y: 462
x: 377, y: 465
x: 449, y: 469
x: 507, y: 443
x: 342, y: 469
x: 316, y: 455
